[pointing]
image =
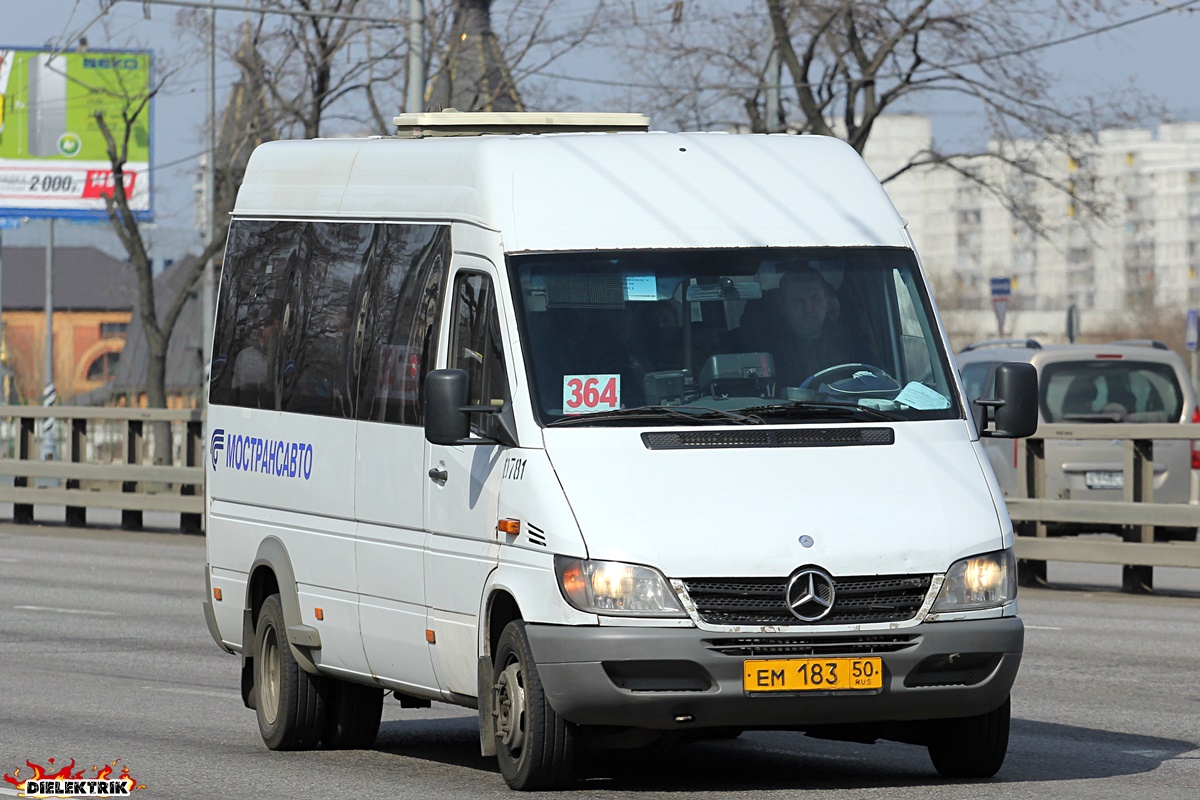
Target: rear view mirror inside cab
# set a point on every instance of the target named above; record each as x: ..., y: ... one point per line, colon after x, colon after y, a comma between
x: 1014, y: 409
x: 725, y: 288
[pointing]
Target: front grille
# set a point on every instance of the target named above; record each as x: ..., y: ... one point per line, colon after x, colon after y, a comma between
x: 860, y: 645
x: 797, y: 437
x: 761, y: 601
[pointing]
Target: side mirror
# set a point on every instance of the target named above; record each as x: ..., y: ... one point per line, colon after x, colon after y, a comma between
x: 1015, y: 406
x: 445, y: 396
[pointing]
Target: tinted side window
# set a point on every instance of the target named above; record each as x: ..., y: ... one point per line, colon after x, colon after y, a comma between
x: 259, y: 258
x: 316, y: 376
x: 397, y: 322
x: 328, y: 318
x: 476, y: 341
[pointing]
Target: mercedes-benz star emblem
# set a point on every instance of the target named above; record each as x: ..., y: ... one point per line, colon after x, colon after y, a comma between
x: 809, y: 594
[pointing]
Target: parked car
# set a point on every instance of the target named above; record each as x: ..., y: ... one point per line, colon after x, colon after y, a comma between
x: 1121, y: 382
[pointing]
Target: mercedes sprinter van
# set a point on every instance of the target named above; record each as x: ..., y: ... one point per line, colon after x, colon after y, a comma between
x: 613, y: 435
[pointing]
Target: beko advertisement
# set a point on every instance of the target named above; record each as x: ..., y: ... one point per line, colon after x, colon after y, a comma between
x: 54, y: 159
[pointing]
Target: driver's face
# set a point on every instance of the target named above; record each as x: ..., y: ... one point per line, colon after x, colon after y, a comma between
x: 806, y: 305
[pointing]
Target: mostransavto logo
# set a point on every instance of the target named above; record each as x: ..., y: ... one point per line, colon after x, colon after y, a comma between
x: 277, y: 457
x: 216, y: 444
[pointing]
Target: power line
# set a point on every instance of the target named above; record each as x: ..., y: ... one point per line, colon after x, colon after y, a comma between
x: 1077, y: 36
x: 202, y: 5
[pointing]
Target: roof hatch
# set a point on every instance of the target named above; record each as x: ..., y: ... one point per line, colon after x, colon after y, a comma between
x: 475, y: 123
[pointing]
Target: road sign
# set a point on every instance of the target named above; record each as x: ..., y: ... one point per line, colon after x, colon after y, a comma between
x: 1193, y: 328
x: 1001, y: 291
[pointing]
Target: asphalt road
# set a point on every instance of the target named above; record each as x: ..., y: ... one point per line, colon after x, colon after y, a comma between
x: 104, y: 655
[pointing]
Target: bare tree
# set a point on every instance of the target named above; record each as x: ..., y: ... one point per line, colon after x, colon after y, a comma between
x: 118, y: 134
x: 845, y: 63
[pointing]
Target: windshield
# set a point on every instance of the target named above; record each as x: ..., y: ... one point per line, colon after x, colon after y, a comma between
x: 779, y: 333
x: 1110, y: 391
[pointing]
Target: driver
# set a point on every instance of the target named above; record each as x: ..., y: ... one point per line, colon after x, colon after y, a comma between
x: 809, y: 337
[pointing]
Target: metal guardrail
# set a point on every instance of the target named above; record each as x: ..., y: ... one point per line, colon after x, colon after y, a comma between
x: 104, y: 463
x: 1137, y: 512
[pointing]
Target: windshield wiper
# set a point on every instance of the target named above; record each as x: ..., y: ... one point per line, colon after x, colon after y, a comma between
x: 680, y: 413
x: 807, y: 409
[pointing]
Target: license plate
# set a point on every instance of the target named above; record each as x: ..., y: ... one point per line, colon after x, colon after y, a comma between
x: 811, y: 674
x: 1104, y: 480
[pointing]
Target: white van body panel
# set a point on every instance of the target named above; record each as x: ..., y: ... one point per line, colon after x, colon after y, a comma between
x: 292, y: 478
x: 566, y: 192
x: 741, y: 511
x: 389, y: 551
x: 395, y: 541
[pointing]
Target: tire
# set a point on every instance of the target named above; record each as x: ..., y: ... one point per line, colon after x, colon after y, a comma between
x: 971, y: 747
x: 534, y: 746
x: 352, y: 716
x: 291, y: 703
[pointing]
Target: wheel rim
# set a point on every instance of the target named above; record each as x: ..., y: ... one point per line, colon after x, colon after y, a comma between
x: 268, y: 675
x: 510, y: 708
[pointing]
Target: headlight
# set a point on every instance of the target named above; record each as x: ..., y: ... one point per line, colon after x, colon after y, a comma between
x: 978, y: 582
x: 613, y: 588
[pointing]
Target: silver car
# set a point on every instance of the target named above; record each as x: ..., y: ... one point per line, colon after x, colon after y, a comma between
x: 1130, y: 381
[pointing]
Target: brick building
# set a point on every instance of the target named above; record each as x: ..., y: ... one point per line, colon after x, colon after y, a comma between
x: 94, y: 295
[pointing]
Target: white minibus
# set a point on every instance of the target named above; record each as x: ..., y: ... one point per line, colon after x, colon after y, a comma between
x: 617, y: 436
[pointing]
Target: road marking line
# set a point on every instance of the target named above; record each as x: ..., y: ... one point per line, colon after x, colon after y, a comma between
x: 66, y: 610
x: 1041, y: 628
x: 10, y: 561
x: 204, y: 692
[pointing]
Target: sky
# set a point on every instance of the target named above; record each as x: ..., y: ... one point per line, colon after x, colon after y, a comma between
x: 1157, y: 56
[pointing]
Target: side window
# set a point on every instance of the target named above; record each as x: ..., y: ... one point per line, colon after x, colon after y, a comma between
x: 976, y: 380
x: 328, y: 318
x: 260, y: 256
x: 476, y: 342
x: 316, y: 376
x: 396, y: 322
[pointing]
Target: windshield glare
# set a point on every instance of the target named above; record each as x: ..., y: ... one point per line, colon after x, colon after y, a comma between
x: 729, y: 329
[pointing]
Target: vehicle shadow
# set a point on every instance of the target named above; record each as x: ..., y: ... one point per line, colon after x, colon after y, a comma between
x: 765, y: 760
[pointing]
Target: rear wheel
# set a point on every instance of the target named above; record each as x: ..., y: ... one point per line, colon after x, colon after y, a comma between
x: 971, y: 747
x: 352, y: 717
x: 534, y: 746
x: 290, y: 702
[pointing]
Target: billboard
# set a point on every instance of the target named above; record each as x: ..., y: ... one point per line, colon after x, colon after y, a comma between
x: 53, y: 157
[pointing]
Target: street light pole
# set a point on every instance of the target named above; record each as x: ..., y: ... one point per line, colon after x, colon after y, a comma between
x: 49, y: 394
x: 208, y: 290
x: 415, y: 100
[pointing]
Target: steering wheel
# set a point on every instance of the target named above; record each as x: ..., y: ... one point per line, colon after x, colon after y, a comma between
x: 852, y: 380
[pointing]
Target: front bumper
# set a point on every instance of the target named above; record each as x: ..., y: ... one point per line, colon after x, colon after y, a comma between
x: 664, y: 678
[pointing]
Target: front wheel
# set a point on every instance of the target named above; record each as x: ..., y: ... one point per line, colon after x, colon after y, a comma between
x: 534, y: 746
x: 971, y: 747
x: 291, y: 703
